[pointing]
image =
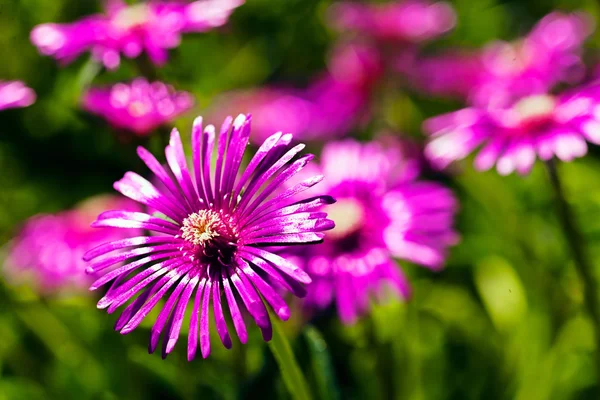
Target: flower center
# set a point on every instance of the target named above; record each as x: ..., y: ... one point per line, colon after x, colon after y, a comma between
x: 535, y: 109
x: 212, y: 236
x: 132, y: 16
x: 348, y: 215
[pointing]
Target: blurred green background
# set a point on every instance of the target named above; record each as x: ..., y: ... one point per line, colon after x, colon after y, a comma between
x: 504, y: 320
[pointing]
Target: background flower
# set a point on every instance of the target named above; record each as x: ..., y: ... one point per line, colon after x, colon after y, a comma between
x: 50, y: 247
x: 15, y: 94
x: 381, y: 212
x: 139, y: 106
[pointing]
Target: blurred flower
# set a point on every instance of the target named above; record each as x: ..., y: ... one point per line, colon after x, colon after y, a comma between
x: 273, y: 109
x: 50, y: 247
x: 154, y: 26
x: 324, y: 110
x: 139, y: 106
x: 542, y: 124
x: 213, y: 237
x: 407, y: 21
x: 15, y: 94
x: 381, y: 212
x: 449, y: 74
x: 328, y: 108
x: 550, y: 54
x: 503, y: 71
x: 356, y: 64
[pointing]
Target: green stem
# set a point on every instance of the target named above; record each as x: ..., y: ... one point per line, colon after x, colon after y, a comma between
x: 290, y: 371
x: 582, y: 264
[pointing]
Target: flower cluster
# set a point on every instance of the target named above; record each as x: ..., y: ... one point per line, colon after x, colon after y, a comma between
x: 221, y: 236
x: 153, y: 27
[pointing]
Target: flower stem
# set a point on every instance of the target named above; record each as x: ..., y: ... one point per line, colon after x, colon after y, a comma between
x: 582, y: 264
x: 290, y: 371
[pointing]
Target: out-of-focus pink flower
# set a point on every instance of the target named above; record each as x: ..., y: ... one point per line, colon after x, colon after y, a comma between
x: 541, y: 125
x: 139, y: 106
x: 14, y: 94
x: 504, y: 71
x: 380, y: 214
x: 154, y: 27
x: 452, y: 74
x: 338, y: 106
x: 273, y: 109
x: 407, y: 21
x: 50, y: 247
x: 329, y: 107
x: 355, y: 64
x: 324, y: 110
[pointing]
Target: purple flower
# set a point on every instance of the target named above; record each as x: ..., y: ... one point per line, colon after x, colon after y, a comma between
x: 541, y: 125
x: 272, y: 109
x: 505, y: 71
x: 550, y: 54
x: 15, y: 94
x: 139, y: 106
x: 154, y: 27
x: 326, y: 109
x: 381, y: 212
x: 409, y: 21
x: 215, y: 230
x: 453, y: 74
x: 50, y: 246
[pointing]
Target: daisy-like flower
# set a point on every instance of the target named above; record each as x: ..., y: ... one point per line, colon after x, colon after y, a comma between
x: 541, y: 125
x: 548, y: 55
x: 381, y: 212
x: 215, y: 231
x: 154, y: 27
x: 505, y: 71
x: 14, y: 94
x: 409, y: 21
x: 139, y: 106
x: 50, y: 247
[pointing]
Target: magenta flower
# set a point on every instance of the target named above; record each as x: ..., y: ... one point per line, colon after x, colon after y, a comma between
x: 214, y: 237
x: 14, y: 94
x: 327, y: 109
x: 139, y: 106
x: 549, y: 55
x: 49, y: 248
x: 505, y: 71
x: 540, y: 125
x: 272, y: 109
x: 453, y: 74
x: 410, y: 21
x: 154, y: 27
x: 381, y: 212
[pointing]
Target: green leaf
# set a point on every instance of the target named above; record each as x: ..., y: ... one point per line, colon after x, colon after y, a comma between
x: 290, y: 371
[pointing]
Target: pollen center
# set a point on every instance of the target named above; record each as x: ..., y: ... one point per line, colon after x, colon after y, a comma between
x: 204, y: 226
x: 535, y: 108
x: 132, y: 16
x: 348, y: 215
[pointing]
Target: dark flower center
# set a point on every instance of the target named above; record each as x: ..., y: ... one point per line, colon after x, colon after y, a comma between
x: 212, y: 237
